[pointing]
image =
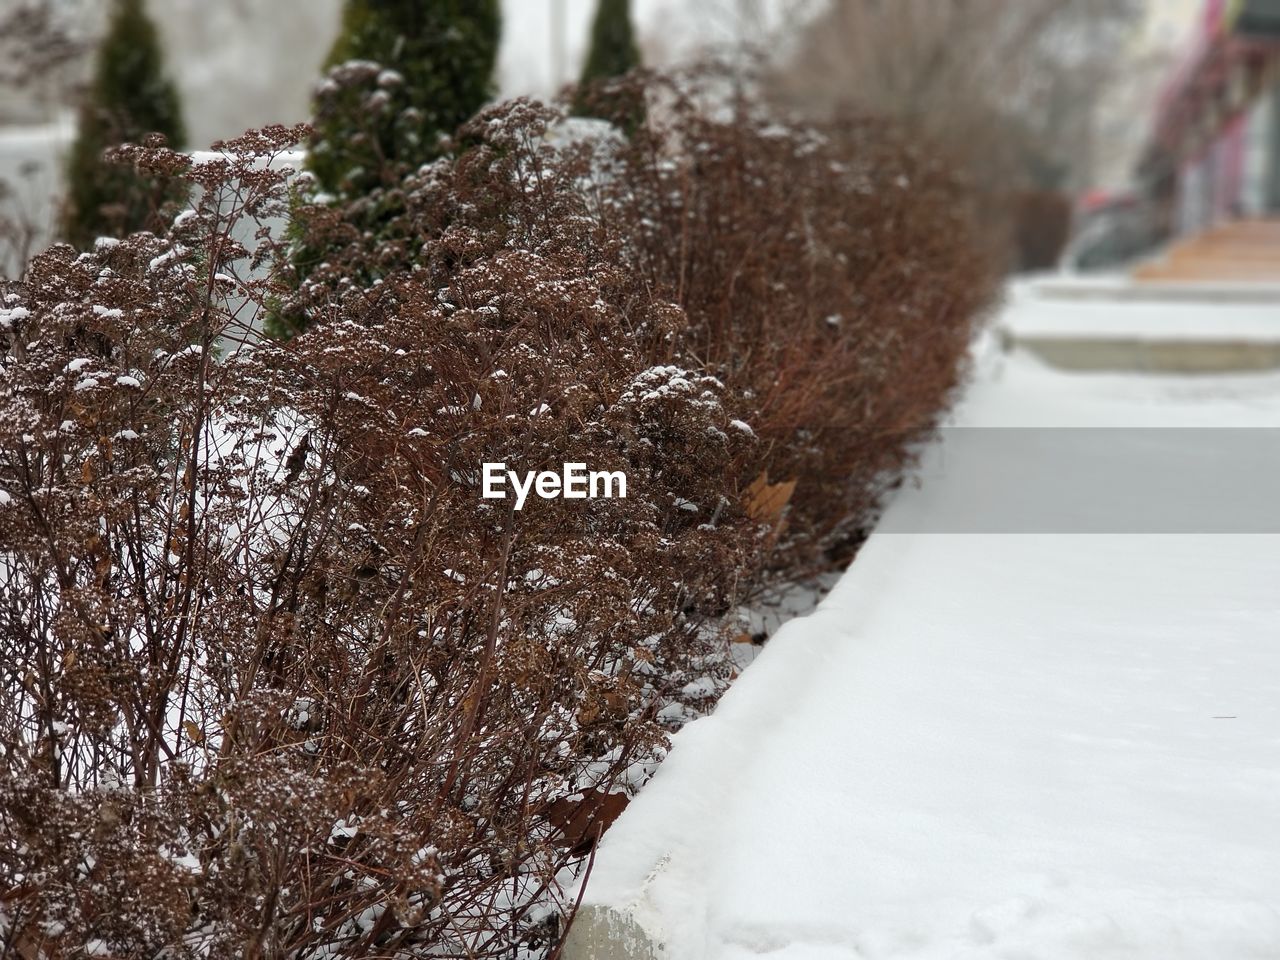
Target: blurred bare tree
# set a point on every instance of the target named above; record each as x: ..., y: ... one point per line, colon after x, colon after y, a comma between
x: 42, y: 44
x: 35, y: 35
x: 43, y: 47
x: 1008, y: 88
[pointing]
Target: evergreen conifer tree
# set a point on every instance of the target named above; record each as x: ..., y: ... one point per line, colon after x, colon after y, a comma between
x: 437, y: 60
x: 130, y: 98
x: 402, y: 74
x: 613, y: 54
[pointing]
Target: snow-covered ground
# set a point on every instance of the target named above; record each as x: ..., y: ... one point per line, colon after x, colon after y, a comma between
x: 985, y: 745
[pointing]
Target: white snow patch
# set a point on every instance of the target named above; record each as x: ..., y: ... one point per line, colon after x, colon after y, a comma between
x: 8, y: 316
x: 177, y: 251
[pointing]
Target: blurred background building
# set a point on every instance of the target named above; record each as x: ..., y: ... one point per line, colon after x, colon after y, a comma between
x: 1215, y: 150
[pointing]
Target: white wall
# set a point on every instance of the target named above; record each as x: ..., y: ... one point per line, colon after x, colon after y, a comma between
x: 244, y: 63
x: 31, y: 163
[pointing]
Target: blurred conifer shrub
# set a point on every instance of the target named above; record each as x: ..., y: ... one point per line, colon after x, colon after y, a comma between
x: 130, y: 98
x: 403, y: 73
x: 613, y: 54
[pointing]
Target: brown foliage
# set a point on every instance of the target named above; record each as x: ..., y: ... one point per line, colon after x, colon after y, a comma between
x: 274, y: 679
x: 831, y: 275
x: 255, y: 605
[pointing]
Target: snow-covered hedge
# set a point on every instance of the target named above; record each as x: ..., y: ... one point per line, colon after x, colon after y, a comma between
x: 275, y: 680
x: 276, y: 677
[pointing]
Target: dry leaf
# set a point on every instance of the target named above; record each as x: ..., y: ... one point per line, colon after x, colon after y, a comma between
x: 765, y: 501
x: 584, y: 817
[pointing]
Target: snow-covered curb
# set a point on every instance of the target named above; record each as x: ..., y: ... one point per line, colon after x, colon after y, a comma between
x: 623, y: 912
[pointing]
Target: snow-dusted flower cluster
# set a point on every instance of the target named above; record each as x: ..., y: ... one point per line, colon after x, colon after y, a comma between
x: 276, y: 679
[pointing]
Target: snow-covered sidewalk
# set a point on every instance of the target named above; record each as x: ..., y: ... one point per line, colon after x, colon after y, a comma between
x: 1036, y: 745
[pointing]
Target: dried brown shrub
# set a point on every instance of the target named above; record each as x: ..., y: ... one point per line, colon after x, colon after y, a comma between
x: 274, y: 676
x: 832, y: 274
x: 274, y: 679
